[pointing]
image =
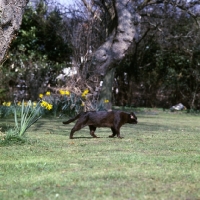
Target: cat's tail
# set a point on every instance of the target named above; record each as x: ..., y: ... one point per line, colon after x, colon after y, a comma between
x: 72, y: 119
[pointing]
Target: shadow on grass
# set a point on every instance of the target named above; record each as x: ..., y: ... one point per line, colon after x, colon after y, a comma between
x: 81, y: 137
x: 38, y: 125
x: 154, y: 127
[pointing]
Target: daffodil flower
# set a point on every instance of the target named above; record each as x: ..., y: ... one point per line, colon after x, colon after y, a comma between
x: 49, y: 106
x: 62, y: 92
x: 46, y: 105
x: 85, y: 92
x: 67, y: 93
x: 43, y: 103
x: 8, y: 103
x: 41, y: 96
x: 48, y: 93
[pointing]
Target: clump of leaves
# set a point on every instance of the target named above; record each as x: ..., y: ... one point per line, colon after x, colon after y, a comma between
x: 28, y: 116
x: 10, y: 137
x: 24, y: 117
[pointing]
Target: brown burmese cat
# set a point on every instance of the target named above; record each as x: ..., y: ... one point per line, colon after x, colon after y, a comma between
x: 94, y: 119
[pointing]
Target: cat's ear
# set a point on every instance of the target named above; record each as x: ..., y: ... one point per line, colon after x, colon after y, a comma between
x: 132, y: 115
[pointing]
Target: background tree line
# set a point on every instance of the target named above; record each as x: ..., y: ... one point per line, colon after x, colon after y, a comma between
x: 159, y: 67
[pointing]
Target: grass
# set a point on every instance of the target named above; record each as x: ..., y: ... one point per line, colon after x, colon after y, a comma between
x: 159, y: 158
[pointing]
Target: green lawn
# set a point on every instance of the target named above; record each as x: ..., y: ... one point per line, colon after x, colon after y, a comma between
x: 159, y: 158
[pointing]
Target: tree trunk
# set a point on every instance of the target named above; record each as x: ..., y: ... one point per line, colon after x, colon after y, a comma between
x: 11, y: 12
x: 115, y: 47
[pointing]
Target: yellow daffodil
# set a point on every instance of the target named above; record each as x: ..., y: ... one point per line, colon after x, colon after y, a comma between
x: 4, y: 104
x: 62, y: 92
x: 106, y: 101
x: 43, y: 103
x: 19, y: 103
x: 83, y: 104
x: 46, y: 105
x: 85, y: 92
x: 48, y: 93
x: 41, y: 96
x: 49, y: 106
x: 67, y: 92
x: 8, y: 103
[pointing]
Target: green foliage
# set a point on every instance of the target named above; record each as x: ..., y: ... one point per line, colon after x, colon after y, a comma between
x: 66, y: 103
x: 71, y: 105
x: 3, y: 87
x: 62, y: 104
x: 2, y: 93
x: 38, y: 53
x: 5, y: 110
x: 25, y: 115
x: 165, y: 66
x: 40, y: 36
x: 28, y: 116
x: 11, y: 138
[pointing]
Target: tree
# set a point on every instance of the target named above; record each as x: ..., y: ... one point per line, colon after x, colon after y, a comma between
x: 124, y: 30
x: 163, y: 66
x: 11, y: 12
